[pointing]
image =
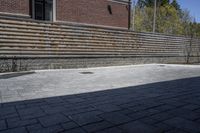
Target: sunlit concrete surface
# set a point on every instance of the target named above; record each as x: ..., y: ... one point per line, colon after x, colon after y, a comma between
x: 47, y: 83
x: 142, y: 98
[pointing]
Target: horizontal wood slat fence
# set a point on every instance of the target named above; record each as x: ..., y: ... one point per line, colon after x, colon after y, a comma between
x: 26, y: 39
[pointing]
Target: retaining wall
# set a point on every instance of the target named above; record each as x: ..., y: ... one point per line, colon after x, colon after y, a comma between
x: 28, y: 44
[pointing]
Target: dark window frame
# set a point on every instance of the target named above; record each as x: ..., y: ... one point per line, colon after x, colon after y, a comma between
x: 34, y: 10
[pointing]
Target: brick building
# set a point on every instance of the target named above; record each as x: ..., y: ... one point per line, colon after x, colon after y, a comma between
x: 113, y: 13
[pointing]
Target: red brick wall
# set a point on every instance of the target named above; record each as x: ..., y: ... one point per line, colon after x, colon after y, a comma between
x: 15, y: 6
x: 93, y: 12
x: 80, y: 11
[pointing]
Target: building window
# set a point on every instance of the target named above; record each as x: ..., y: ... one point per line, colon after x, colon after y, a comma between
x: 43, y: 10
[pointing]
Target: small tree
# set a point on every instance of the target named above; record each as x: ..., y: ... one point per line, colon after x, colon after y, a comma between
x: 168, y: 20
x: 176, y: 5
x: 192, y: 35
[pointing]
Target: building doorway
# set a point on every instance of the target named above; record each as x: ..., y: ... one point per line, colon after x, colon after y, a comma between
x: 43, y: 10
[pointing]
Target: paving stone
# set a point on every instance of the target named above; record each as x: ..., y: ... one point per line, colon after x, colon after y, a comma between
x: 7, y: 110
x: 69, y: 125
x: 191, y: 107
x: 185, y: 113
x: 13, y: 123
x: 107, y: 107
x: 148, y: 120
x: 198, y: 121
x: 184, y: 124
x: 53, y: 100
x: 53, y: 110
x: 142, y: 114
x: 21, y: 106
x: 121, y: 100
x: 138, y: 108
x: 163, y: 126
x: 33, y: 101
x: 97, y: 126
x: 32, y: 105
x: 138, y: 127
x: 129, y: 104
x: 151, y: 103
x: 125, y: 111
x: 13, y: 104
x: 161, y: 116
x: 175, y: 103
x: 76, y: 130
x: 50, y: 120
x: 9, y: 115
x: 86, y: 118
x: 75, y: 100
x: 164, y: 108
x: 176, y: 131
x: 111, y: 130
x: 76, y: 106
x: 15, y: 130
x: 52, y: 129
x: 197, y: 111
x: 193, y: 101
x: 34, y: 127
x: 115, y: 118
x: 29, y: 113
x: 77, y: 109
x: 2, y: 125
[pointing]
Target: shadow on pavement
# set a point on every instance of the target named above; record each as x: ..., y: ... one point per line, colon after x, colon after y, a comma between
x: 15, y: 74
x: 163, y: 107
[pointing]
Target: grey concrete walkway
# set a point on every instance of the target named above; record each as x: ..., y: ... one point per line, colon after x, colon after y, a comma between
x: 128, y: 99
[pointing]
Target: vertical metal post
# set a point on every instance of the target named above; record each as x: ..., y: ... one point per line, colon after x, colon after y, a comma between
x: 129, y: 15
x: 133, y: 15
x: 54, y: 10
x: 44, y: 10
x: 33, y: 8
x: 154, y: 17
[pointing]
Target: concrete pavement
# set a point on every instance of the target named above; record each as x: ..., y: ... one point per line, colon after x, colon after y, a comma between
x: 154, y: 98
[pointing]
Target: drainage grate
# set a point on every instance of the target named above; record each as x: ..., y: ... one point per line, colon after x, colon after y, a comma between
x: 86, y: 73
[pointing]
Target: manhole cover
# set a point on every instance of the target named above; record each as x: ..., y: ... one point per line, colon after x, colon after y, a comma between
x: 86, y: 72
x: 162, y: 65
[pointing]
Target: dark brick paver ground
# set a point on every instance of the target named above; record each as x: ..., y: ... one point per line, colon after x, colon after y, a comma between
x: 162, y: 107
